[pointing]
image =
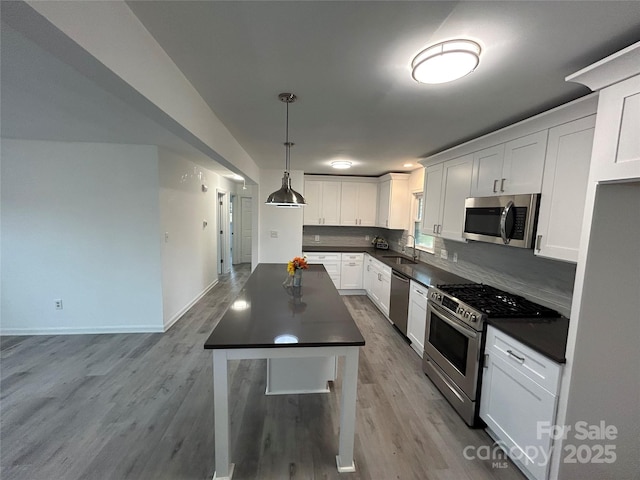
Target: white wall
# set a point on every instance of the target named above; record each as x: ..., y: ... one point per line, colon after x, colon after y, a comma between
x: 80, y: 222
x: 286, y: 222
x: 189, y: 251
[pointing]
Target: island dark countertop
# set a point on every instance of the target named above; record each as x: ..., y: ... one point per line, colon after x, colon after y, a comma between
x: 265, y: 313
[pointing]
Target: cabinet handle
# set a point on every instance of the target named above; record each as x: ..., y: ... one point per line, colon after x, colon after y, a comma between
x: 352, y: 264
x: 495, y: 186
x: 368, y: 268
x: 419, y: 292
x: 379, y: 279
x: 502, y: 184
x: 486, y: 361
x: 439, y: 229
x: 435, y: 227
x: 386, y: 223
x: 520, y: 359
x: 538, y: 242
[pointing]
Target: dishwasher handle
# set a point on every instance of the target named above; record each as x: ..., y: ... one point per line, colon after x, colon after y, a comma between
x: 400, y: 277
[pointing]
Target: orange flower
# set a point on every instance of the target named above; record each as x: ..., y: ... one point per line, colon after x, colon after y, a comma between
x: 298, y: 263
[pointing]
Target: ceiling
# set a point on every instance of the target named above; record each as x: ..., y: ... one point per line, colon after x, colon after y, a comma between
x: 348, y: 63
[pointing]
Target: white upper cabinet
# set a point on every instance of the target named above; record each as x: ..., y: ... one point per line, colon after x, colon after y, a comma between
x: 616, y: 143
x: 358, y: 203
x: 446, y: 187
x: 323, y: 202
x: 616, y: 151
x: 393, y: 201
x: 564, y: 187
x: 511, y: 168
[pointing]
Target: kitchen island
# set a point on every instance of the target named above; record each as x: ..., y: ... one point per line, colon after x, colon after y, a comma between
x: 269, y: 321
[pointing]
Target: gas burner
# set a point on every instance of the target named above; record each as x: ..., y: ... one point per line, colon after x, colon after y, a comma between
x: 496, y: 303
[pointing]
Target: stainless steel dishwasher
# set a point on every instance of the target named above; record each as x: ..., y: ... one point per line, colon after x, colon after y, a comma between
x: 399, y: 303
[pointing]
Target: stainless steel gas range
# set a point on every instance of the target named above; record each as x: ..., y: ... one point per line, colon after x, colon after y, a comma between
x: 456, y: 316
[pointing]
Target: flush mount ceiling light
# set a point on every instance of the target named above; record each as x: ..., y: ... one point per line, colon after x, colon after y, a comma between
x: 341, y: 164
x: 445, y: 61
x: 407, y: 165
x: 286, y: 196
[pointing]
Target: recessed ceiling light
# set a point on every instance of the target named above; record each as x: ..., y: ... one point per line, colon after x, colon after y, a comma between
x: 341, y: 164
x: 445, y: 61
x: 407, y: 165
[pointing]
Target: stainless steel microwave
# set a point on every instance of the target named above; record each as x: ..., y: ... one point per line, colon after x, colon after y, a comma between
x: 506, y: 220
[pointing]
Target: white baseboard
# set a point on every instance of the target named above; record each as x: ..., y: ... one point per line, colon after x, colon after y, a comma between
x: 82, y: 330
x: 184, y: 309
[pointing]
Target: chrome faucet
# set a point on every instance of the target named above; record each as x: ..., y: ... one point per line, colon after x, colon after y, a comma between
x: 414, y: 246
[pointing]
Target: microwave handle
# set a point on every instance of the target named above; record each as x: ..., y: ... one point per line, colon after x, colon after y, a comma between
x: 503, y: 222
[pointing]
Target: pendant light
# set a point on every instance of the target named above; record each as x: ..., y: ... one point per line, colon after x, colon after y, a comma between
x: 286, y: 196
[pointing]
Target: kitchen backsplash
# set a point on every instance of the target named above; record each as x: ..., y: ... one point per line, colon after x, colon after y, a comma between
x: 517, y: 270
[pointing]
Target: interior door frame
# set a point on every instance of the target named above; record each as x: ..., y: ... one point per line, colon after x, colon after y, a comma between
x: 223, y: 226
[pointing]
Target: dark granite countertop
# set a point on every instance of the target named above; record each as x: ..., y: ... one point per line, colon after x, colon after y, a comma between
x: 547, y: 336
x: 312, y: 316
x: 421, y: 272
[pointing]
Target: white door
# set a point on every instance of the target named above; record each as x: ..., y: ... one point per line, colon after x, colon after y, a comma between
x: 246, y: 212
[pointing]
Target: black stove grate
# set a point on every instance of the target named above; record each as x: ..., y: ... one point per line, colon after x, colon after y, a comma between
x: 496, y: 303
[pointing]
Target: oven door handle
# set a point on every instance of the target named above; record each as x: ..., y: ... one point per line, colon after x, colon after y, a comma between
x: 503, y: 222
x: 467, y: 332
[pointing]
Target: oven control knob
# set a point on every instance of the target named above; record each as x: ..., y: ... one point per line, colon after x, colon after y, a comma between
x: 438, y: 297
x: 466, y: 314
x: 460, y: 311
x: 474, y: 318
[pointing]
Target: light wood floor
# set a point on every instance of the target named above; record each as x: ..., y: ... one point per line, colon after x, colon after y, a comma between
x: 139, y: 406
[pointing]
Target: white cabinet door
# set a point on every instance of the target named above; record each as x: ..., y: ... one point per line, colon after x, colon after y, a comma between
x: 323, y: 203
x: 312, y: 211
x: 487, y: 171
x: 523, y: 164
x: 456, y: 185
x: 431, y: 199
x: 369, y: 275
x: 367, y: 204
x: 519, y: 391
x: 332, y: 262
x: 384, y: 199
x: 384, y: 291
x: 358, y: 204
x: 564, y: 187
x: 417, y: 320
x: 512, y: 404
x: 510, y: 168
x: 331, y: 203
x: 616, y: 147
x: 351, y: 273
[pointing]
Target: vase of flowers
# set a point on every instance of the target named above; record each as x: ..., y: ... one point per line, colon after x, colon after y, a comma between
x: 294, y: 269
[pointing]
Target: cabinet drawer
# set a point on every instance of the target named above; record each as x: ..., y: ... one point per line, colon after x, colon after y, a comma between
x: 352, y: 257
x: 535, y: 366
x: 322, y: 257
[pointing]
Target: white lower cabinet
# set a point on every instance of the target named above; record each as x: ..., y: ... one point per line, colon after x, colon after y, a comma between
x: 332, y: 261
x: 417, y: 320
x: 377, y: 283
x: 351, y: 271
x: 519, y: 394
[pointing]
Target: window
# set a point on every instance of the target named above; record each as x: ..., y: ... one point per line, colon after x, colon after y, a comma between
x: 423, y: 242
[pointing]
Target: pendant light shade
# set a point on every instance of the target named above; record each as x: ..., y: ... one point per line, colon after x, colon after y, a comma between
x: 286, y: 196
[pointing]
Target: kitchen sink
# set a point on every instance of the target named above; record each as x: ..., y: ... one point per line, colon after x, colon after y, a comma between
x: 399, y: 260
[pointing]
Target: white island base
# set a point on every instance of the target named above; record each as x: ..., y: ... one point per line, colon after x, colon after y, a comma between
x: 300, y: 375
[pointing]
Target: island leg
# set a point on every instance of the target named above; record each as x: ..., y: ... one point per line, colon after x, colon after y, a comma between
x: 344, y: 459
x: 224, y: 470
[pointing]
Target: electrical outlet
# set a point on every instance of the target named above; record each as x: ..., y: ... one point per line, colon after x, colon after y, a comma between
x: 455, y: 257
x: 366, y: 237
x: 443, y: 254
x: 316, y: 238
x: 166, y: 237
x: 274, y: 233
x: 58, y: 303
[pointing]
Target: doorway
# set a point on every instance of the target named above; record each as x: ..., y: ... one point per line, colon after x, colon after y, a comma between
x: 224, y: 233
